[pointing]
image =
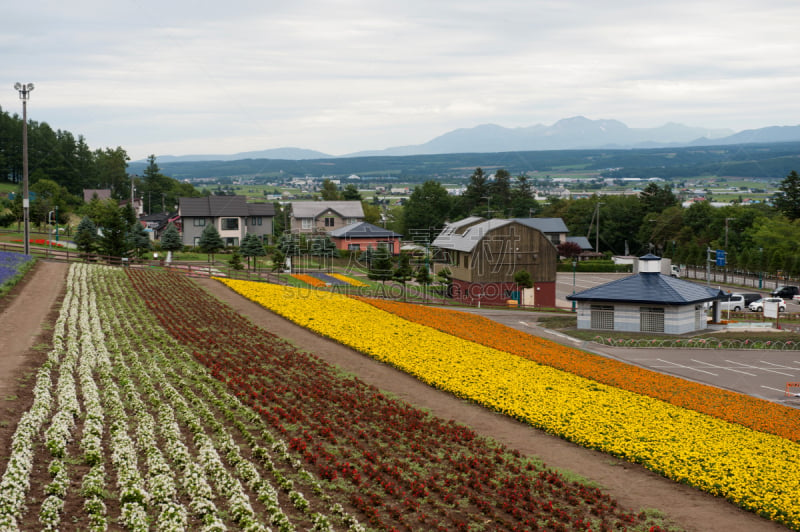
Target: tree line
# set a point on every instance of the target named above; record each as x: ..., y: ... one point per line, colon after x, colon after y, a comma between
x: 760, y: 238
x: 61, y: 166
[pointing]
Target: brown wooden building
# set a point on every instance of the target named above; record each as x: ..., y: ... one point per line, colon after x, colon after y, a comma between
x: 483, y: 256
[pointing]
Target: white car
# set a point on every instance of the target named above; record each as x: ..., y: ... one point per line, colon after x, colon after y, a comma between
x: 758, y: 305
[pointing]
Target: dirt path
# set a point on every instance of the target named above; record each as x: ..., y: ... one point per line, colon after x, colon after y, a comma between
x: 633, y: 486
x: 35, y: 302
x: 22, y: 313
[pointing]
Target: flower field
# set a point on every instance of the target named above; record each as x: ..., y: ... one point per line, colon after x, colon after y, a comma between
x: 13, y: 264
x: 745, y: 410
x: 159, y: 408
x: 751, y: 468
x: 397, y: 466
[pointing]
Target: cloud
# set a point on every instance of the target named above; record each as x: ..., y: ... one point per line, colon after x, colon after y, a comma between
x: 193, y: 77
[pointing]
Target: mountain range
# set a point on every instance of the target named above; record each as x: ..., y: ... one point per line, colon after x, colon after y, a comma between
x: 570, y: 133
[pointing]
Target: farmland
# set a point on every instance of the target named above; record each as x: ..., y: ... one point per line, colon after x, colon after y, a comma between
x: 128, y: 430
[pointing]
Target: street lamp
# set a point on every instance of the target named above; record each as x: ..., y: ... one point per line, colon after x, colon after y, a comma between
x: 574, y: 265
x: 488, y: 206
x: 24, y: 94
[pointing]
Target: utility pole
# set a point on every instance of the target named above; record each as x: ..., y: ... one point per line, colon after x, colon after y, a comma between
x: 24, y: 94
x: 725, y: 271
x: 597, y: 234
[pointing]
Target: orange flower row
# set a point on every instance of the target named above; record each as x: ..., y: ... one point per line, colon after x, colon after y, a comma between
x: 745, y: 410
x: 313, y: 281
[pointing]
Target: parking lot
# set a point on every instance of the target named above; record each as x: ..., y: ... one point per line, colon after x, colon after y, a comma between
x: 760, y: 373
x: 583, y: 281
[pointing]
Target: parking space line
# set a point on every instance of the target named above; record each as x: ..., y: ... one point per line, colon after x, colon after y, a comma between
x: 774, y: 389
x: 723, y: 367
x: 762, y: 369
x: 780, y: 365
x: 673, y: 364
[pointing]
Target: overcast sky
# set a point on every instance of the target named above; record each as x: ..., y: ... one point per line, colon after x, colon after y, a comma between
x: 184, y: 77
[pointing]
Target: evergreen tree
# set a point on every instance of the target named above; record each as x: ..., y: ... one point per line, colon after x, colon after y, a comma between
x: 423, y: 278
x: 138, y: 239
x: 403, y: 272
x: 381, y: 265
x: 351, y: 193
x: 252, y: 247
x: 501, y: 193
x: 86, y: 236
x: 115, y: 227
x: 445, y: 278
x: 171, y: 241
x: 236, y: 261
x: 210, y: 241
x: 787, y: 199
x: 523, y: 203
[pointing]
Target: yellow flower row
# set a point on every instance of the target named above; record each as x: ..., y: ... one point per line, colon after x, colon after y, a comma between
x: 754, y: 470
x: 348, y: 280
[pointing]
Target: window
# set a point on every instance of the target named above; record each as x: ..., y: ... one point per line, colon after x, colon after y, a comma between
x: 199, y: 222
x: 354, y: 247
x: 305, y: 223
x: 229, y: 224
x: 602, y: 317
x: 196, y: 241
x: 651, y: 319
x: 256, y: 220
x: 329, y: 222
x: 231, y: 241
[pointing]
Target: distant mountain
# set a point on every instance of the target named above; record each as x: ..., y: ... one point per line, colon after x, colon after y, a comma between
x: 576, y: 133
x: 764, y: 135
x: 568, y: 134
x: 290, y: 154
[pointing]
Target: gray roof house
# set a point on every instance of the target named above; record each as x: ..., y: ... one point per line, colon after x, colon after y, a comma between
x: 553, y: 228
x: 231, y: 215
x: 361, y: 236
x: 324, y: 216
x: 646, y: 302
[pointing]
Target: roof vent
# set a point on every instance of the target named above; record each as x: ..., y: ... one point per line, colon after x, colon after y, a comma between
x: 649, y: 264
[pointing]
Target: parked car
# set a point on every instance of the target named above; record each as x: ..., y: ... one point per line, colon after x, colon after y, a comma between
x: 675, y: 271
x: 749, y: 297
x: 758, y: 306
x: 734, y: 302
x: 785, y: 292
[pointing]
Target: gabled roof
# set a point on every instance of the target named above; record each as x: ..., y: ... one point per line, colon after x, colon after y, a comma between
x: 216, y: 206
x: 312, y: 209
x: 468, y: 240
x: 260, y: 209
x: 652, y: 288
x: 545, y: 225
x: 362, y: 230
x: 582, y: 241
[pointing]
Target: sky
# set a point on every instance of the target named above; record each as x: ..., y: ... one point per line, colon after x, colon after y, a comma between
x: 180, y: 77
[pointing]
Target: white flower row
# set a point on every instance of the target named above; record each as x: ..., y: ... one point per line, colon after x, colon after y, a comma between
x: 15, y: 482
